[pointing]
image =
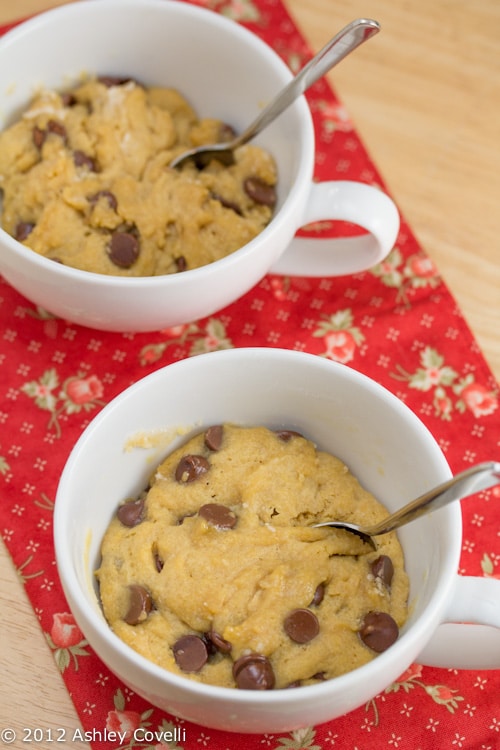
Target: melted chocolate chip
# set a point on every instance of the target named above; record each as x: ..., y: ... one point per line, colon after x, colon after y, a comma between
x: 320, y: 676
x: 140, y: 605
x: 123, y: 249
x: 318, y: 595
x: 158, y: 562
x: 181, y: 264
x: 190, y: 653
x: 301, y: 625
x: 68, y: 99
x: 227, y: 203
x: 219, y: 642
x: 23, y: 230
x: 57, y: 128
x: 131, y: 513
x: 259, y: 191
x: 226, y: 133
x: 105, y: 195
x: 253, y: 672
x: 378, y: 631
x: 213, y: 437
x: 81, y: 159
x: 191, y: 467
x: 110, y: 81
x: 383, y: 569
x: 38, y: 136
x: 53, y: 126
x: 219, y: 516
x: 287, y: 435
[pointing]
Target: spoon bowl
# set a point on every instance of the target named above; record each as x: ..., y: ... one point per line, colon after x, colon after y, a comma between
x: 347, y: 40
x: 479, y: 477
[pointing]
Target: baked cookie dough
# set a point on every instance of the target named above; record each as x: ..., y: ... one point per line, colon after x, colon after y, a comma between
x: 214, y: 572
x: 86, y: 182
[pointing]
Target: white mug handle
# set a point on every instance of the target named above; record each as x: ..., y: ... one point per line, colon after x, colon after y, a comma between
x: 343, y: 200
x: 469, y: 636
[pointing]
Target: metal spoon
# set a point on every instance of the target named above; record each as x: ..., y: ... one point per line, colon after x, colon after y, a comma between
x: 337, y: 48
x: 477, y: 478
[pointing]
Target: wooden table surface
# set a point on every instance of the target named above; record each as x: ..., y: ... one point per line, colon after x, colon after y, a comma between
x: 424, y: 97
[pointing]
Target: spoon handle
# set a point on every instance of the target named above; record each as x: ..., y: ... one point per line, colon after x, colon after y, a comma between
x: 350, y: 37
x: 472, y: 480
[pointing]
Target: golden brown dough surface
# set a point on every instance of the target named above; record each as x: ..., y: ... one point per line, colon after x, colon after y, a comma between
x: 242, y: 578
x: 86, y: 182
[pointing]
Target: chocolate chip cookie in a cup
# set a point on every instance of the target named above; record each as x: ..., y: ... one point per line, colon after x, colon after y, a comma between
x: 136, y: 45
x: 214, y: 572
x: 93, y: 189
x: 383, y: 444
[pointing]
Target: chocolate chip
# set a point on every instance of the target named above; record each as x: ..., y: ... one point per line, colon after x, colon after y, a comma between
x: 211, y: 649
x: 131, y: 513
x: 23, y: 230
x: 68, y: 99
x: 253, y: 672
x: 259, y: 191
x: 158, y: 562
x: 213, y: 437
x: 110, y: 81
x: 140, y: 605
x: 81, y: 159
x: 38, y: 136
x: 181, y: 264
x: 227, y: 203
x: 57, y: 128
x: 287, y: 435
x: 301, y: 625
x: 378, y: 631
x: 191, y: 467
x: 320, y: 676
x: 383, y: 569
x: 123, y: 249
x: 53, y: 126
x: 106, y: 195
x: 219, y: 516
x: 318, y: 595
x: 226, y: 133
x: 190, y: 653
x: 186, y: 515
x: 219, y: 642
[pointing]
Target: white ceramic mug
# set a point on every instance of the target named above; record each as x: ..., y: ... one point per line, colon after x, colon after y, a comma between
x: 227, y: 72
x: 379, y: 438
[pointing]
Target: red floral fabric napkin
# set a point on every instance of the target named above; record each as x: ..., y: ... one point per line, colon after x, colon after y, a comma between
x: 397, y: 323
